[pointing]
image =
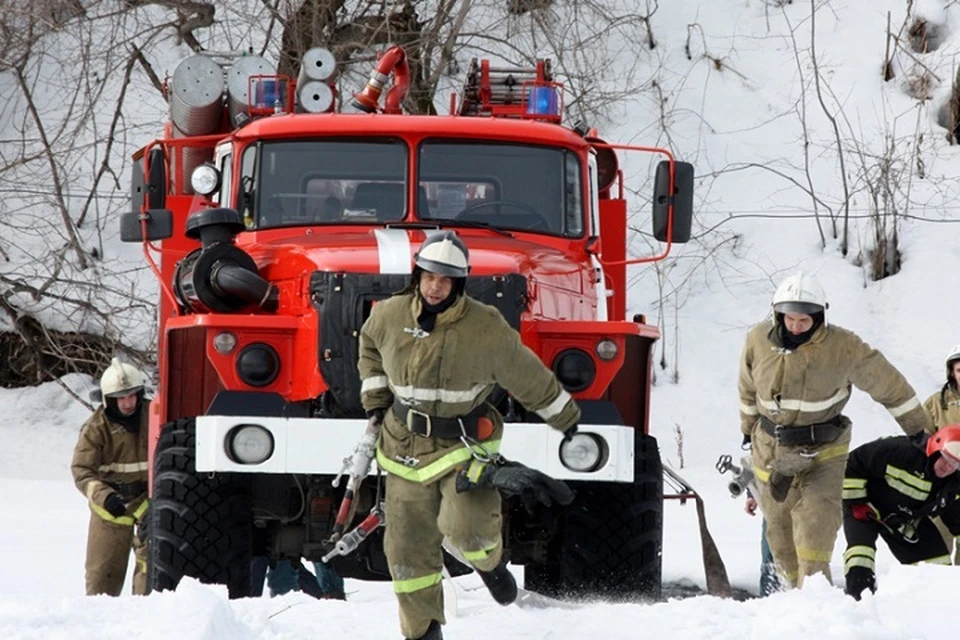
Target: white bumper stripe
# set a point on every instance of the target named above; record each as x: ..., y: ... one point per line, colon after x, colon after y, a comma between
x: 316, y: 445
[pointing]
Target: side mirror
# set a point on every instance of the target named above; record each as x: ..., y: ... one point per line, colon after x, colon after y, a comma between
x: 152, y: 187
x: 159, y: 225
x: 681, y: 194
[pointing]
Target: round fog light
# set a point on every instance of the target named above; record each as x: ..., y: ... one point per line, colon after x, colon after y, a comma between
x: 607, y: 349
x: 584, y: 452
x: 224, y: 342
x: 249, y: 444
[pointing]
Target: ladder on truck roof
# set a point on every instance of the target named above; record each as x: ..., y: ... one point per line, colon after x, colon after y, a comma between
x: 511, y: 92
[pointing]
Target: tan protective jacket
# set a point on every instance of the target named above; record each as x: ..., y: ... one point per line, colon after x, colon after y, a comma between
x: 812, y: 384
x: 107, y: 453
x: 447, y: 373
x: 943, y: 410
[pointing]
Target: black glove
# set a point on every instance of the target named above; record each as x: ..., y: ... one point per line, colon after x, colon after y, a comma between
x: 513, y: 479
x: 747, y: 443
x: 115, y: 505
x: 378, y: 413
x: 569, y: 433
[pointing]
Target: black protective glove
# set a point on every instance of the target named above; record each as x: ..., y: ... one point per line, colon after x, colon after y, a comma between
x: 378, y: 413
x: 513, y: 480
x: 115, y: 505
x: 747, y: 443
x: 569, y: 433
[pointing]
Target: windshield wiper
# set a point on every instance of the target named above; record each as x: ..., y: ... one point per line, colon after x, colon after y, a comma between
x: 472, y: 224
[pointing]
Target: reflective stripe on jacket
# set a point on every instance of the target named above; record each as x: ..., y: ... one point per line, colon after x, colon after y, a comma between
x: 447, y: 372
x: 895, y: 476
x: 812, y: 383
x: 107, y: 454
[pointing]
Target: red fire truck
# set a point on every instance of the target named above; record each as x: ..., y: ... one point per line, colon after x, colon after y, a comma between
x: 274, y: 223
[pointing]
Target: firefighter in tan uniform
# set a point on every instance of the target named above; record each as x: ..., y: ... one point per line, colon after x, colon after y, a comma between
x: 944, y: 409
x: 944, y: 405
x: 110, y: 468
x: 429, y: 359
x: 795, y: 379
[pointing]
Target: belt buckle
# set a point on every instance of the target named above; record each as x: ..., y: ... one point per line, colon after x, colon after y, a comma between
x: 411, y: 412
x: 778, y: 432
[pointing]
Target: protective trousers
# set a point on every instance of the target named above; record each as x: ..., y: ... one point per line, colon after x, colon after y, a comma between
x: 419, y: 517
x: 802, y: 529
x: 108, y: 552
x: 927, y: 546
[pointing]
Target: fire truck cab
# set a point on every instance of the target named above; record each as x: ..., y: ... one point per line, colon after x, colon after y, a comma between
x: 279, y: 225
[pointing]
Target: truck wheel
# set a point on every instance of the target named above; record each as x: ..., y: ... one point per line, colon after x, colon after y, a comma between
x: 609, y: 543
x: 198, y: 524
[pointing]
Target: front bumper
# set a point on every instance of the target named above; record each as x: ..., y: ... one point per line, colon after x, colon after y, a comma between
x: 318, y: 446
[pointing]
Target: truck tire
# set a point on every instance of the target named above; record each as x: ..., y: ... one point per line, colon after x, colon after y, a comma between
x: 199, y: 524
x: 610, y: 540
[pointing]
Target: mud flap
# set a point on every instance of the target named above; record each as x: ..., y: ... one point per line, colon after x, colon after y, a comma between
x: 718, y: 584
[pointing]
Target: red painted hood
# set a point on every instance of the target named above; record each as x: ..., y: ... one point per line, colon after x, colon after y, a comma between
x: 288, y: 253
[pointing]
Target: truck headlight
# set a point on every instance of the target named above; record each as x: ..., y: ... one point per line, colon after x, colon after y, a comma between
x: 584, y: 452
x: 575, y: 369
x: 249, y: 444
x: 205, y: 179
x: 258, y: 364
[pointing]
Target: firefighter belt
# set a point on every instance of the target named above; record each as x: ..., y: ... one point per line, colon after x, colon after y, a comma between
x: 428, y: 426
x: 810, y: 434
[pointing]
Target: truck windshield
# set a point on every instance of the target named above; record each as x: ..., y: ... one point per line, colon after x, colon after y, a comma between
x: 326, y: 182
x: 508, y: 186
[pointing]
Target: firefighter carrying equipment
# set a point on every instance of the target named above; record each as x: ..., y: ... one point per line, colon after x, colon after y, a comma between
x: 422, y: 424
x: 120, y: 379
x: 811, y: 434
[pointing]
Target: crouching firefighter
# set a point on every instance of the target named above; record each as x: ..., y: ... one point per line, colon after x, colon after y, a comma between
x: 429, y: 358
x: 892, y: 489
x: 110, y: 468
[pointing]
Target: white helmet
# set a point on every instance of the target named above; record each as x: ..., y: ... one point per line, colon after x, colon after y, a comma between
x: 800, y: 293
x: 444, y: 253
x: 952, y: 356
x: 120, y: 379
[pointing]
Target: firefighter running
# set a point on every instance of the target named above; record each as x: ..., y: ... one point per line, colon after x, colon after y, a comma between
x: 110, y: 468
x: 795, y: 379
x: 892, y: 488
x: 429, y: 359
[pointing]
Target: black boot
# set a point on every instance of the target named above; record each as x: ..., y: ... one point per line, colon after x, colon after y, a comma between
x: 501, y: 583
x: 858, y: 580
x: 433, y: 632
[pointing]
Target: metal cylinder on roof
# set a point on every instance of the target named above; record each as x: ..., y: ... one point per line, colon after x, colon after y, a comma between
x: 238, y: 82
x: 314, y: 96
x: 189, y: 157
x: 317, y: 63
x: 196, y: 98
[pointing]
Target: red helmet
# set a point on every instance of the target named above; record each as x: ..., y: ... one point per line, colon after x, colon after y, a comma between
x: 946, y: 441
